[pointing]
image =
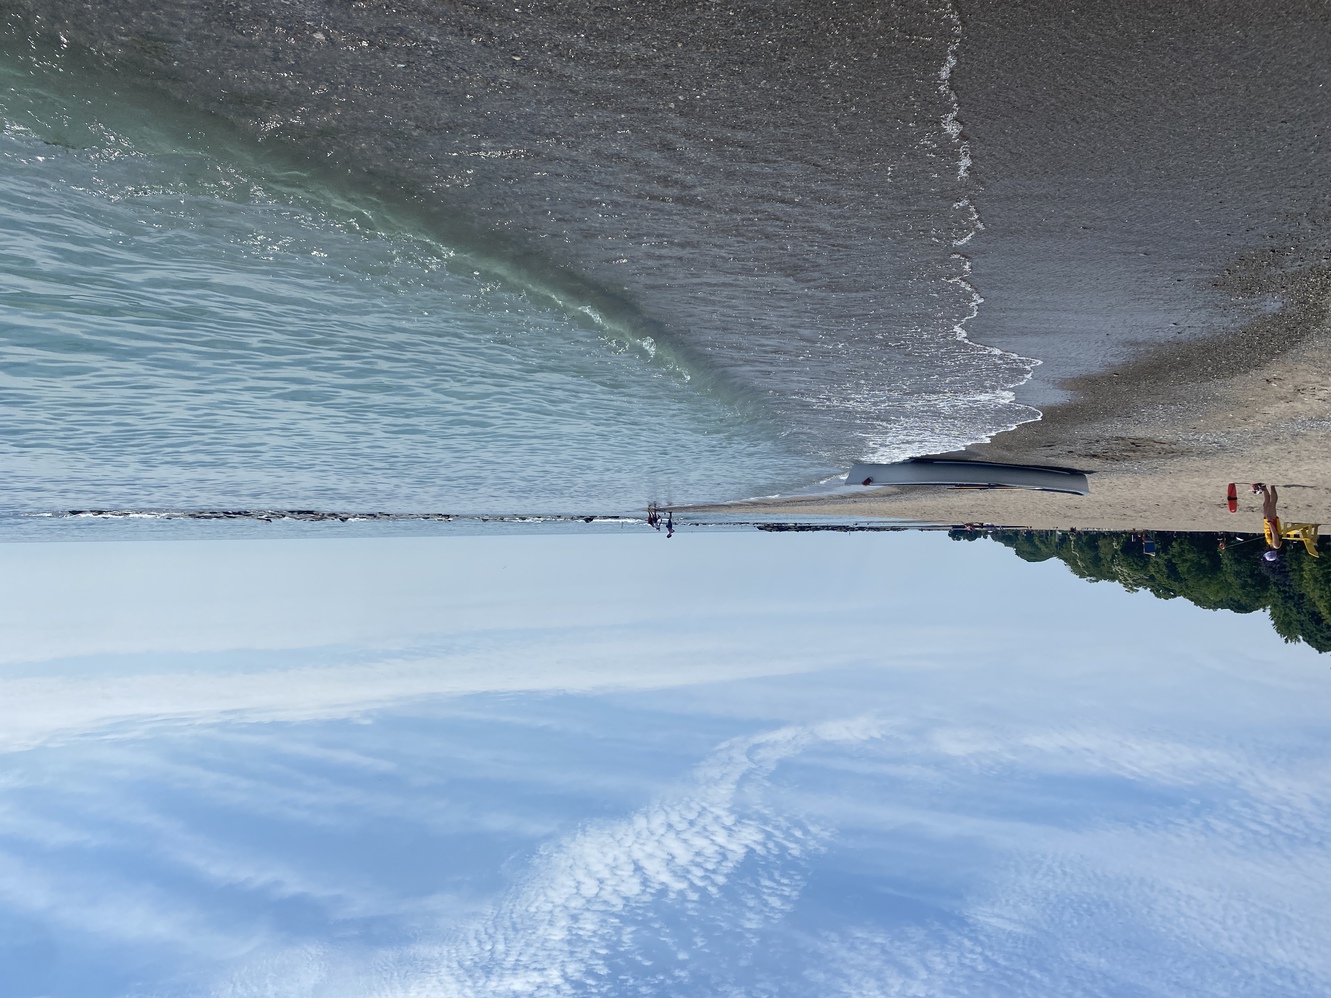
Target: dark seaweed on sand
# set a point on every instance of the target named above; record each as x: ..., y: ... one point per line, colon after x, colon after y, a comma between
x: 1296, y: 590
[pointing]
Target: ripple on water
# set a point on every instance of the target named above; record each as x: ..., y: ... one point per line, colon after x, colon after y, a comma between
x: 170, y: 346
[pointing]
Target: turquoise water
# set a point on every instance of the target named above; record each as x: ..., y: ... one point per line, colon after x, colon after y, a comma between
x: 189, y: 322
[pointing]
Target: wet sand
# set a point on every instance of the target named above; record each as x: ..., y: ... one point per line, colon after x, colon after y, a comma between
x: 1165, y: 433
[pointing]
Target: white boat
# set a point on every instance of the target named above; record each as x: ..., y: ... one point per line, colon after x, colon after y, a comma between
x: 976, y: 474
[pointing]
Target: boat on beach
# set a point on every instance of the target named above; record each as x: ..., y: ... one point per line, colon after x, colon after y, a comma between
x: 973, y: 474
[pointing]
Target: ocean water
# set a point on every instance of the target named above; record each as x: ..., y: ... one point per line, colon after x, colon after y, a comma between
x: 170, y: 347
x: 203, y: 314
x: 184, y: 328
x: 571, y: 258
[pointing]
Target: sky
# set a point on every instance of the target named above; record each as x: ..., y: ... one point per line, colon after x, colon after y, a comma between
x: 612, y: 764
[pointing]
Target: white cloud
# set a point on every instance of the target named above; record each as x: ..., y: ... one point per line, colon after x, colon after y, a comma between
x: 1095, y: 862
x: 37, y: 709
x: 561, y: 930
x: 1053, y: 893
x: 642, y: 896
x: 109, y: 908
x: 995, y: 778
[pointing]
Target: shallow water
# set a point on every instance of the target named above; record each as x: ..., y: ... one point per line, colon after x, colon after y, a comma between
x: 198, y: 317
x: 791, y: 206
x: 182, y: 330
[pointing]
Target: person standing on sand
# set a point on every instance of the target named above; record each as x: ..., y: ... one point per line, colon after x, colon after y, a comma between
x: 1270, y: 519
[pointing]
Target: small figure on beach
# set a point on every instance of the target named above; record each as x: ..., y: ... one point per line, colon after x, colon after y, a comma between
x: 1277, y: 533
x: 653, y: 516
x: 1270, y: 519
x: 670, y: 525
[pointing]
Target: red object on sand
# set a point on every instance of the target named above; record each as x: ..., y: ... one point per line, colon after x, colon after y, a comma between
x: 1233, y: 498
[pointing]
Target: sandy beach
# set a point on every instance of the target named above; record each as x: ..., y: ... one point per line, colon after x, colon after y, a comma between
x: 1165, y: 433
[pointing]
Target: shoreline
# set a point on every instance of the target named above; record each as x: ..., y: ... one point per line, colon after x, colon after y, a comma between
x: 1162, y: 434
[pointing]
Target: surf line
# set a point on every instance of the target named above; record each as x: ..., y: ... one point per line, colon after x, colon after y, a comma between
x: 951, y: 123
x: 952, y: 120
x: 952, y: 127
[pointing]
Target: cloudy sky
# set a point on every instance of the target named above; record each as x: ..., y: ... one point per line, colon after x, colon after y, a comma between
x: 728, y: 763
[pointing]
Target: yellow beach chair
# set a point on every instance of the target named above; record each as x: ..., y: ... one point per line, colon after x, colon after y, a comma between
x: 1306, y: 532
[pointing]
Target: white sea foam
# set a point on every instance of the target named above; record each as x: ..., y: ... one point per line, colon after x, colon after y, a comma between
x: 1003, y: 399
x: 952, y: 118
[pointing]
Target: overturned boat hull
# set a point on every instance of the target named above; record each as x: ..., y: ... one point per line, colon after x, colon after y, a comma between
x: 979, y: 474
